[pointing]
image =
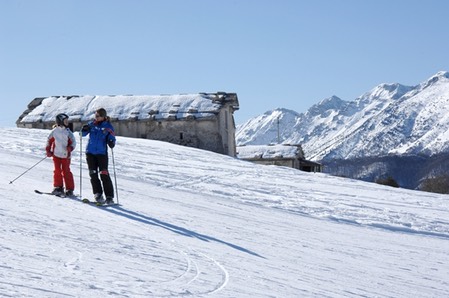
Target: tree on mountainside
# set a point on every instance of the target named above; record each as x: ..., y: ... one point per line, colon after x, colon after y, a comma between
x: 389, y: 181
x: 438, y: 184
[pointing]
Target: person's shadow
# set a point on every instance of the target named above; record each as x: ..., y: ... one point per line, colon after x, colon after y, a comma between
x: 119, y: 210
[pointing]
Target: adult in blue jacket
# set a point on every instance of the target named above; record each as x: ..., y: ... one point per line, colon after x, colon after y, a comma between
x: 101, y: 135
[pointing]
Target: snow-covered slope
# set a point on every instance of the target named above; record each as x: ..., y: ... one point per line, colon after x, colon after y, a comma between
x: 263, y: 129
x: 389, y: 119
x: 198, y: 224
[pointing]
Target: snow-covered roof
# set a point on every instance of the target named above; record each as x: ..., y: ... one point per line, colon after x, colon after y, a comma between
x: 268, y: 151
x: 123, y: 107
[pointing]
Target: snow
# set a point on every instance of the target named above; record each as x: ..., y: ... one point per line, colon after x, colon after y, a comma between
x: 267, y: 151
x: 124, y: 106
x: 199, y: 224
x: 388, y: 119
x: 263, y: 129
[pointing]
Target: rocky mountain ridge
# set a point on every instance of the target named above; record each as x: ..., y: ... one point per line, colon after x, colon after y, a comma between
x: 379, y: 133
x: 389, y: 119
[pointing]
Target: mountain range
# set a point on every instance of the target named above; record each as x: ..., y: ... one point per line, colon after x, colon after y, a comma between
x: 388, y: 122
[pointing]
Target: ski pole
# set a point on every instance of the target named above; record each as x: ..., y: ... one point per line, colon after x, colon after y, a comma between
x: 115, y: 175
x: 10, y: 182
x: 81, y: 164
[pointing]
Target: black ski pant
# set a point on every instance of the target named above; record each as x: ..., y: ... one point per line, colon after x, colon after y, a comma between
x: 98, y: 164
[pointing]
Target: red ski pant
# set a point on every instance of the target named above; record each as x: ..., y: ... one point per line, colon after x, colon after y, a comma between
x: 62, y: 174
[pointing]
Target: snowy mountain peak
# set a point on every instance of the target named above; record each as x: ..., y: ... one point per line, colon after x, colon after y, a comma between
x: 441, y: 76
x: 388, y: 119
x: 385, y: 92
x: 263, y: 129
x: 333, y: 100
x: 279, y: 112
x: 325, y: 105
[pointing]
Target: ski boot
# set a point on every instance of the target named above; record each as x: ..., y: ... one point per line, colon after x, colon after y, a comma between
x: 58, y: 191
x: 98, y: 197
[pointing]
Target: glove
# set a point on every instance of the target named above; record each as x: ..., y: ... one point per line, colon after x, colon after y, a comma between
x: 85, y: 128
x: 111, y: 144
x: 49, y: 153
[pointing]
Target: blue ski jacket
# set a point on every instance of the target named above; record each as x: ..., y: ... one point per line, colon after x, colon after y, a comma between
x: 100, y: 133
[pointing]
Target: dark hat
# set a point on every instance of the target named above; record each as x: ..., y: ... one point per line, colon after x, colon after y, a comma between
x: 60, y: 118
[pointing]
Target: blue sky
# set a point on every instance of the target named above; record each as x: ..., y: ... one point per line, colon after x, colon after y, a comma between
x: 273, y: 54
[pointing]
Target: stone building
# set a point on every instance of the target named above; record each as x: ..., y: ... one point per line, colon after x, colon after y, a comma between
x: 291, y: 156
x: 202, y: 120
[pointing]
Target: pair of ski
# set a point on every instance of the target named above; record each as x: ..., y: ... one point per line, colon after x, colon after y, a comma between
x: 84, y: 200
x: 98, y: 204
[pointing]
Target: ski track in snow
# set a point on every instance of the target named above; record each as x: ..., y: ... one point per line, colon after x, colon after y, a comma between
x: 188, y: 226
x: 181, y: 270
x: 286, y: 195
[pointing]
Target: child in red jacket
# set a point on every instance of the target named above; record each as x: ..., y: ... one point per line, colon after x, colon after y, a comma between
x: 60, y: 144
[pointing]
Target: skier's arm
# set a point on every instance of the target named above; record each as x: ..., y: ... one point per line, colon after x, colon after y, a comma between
x: 49, y: 145
x: 72, y: 140
x: 85, y: 130
x: 111, y: 136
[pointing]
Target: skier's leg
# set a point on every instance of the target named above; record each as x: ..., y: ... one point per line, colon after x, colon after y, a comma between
x: 92, y: 164
x: 57, y: 173
x: 105, y: 177
x: 68, y: 176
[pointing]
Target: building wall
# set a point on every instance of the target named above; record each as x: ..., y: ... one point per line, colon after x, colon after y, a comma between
x: 215, y: 133
x: 202, y: 133
x: 288, y: 162
x: 226, y: 127
x: 276, y: 162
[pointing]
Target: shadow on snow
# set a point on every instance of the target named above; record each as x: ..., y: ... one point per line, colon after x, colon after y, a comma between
x: 118, y: 210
